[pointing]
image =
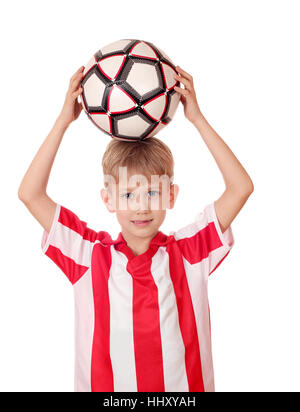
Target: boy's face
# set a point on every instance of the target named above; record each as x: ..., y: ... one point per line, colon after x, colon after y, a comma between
x: 140, y: 202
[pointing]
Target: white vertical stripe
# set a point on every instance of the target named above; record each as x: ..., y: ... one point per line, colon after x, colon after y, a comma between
x: 197, y: 277
x: 121, y: 324
x: 84, y: 331
x: 173, y: 350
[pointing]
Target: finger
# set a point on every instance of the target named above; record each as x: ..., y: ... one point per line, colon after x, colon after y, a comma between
x: 184, y: 81
x: 181, y: 91
x: 183, y: 73
x: 182, y: 99
x: 76, y: 76
x: 81, y: 68
x: 75, y: 82
x: 77, y: 73
x: 77, y: 93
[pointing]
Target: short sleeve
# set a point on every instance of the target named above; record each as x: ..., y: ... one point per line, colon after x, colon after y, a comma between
x: 69, y: 243
x: 203, y: 240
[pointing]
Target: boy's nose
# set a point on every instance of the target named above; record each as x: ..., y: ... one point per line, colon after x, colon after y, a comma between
x: 143, y: 202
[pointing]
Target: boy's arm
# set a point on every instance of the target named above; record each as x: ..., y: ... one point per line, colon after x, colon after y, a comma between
x: 238, y: 183
x: 33, y: 188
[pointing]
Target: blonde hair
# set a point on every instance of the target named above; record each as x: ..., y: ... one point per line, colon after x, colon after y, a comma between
x: 148, y: 157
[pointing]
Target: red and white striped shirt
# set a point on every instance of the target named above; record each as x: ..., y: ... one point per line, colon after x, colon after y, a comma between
x: 142, y: 322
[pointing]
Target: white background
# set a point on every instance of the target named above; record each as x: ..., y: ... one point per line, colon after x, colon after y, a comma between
x: 244, y: 57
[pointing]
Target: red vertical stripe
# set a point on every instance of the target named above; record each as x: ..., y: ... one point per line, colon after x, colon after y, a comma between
x: 101, y: 367
x: 187, y: 320
x: 146, y: 327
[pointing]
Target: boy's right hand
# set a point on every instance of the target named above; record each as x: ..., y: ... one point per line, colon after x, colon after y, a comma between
x: 72, y: 108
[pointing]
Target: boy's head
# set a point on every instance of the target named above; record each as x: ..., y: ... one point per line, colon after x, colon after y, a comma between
x: 138, y: 180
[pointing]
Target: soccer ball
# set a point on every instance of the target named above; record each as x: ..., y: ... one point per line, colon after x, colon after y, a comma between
x: 128, y: 90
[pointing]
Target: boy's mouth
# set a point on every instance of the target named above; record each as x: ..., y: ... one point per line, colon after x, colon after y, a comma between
x: 141, y: 222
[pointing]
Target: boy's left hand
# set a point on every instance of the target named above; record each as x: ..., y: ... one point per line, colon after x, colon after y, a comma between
x: 188, y: 95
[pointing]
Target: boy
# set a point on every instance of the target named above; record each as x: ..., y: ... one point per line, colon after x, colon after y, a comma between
x: 142, y: 315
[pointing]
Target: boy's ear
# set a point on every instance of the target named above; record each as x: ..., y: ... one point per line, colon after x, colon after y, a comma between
x: 174, y: 190
x: 107, y: 200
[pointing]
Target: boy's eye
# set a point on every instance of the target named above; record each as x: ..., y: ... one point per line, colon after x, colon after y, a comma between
x: 126, y: 195
x: 153, y: 192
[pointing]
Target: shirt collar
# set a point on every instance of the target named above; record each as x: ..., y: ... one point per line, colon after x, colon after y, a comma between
x: 159, y: 239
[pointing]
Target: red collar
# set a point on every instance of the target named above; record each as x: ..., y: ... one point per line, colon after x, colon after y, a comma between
x: 159, y: 239
x: 136, y: 262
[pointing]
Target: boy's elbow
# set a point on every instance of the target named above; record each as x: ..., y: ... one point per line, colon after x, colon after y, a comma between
x: 248, y: 188
x: 29, y: 197
x: 23, y: 199
x: 251, y: 188
x: 20, y: 195
x: 23, y: 196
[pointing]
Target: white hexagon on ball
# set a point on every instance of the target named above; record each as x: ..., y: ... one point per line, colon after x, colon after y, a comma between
x: 143, y: 78
x: 94, y: 90
x: 132, y: 126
